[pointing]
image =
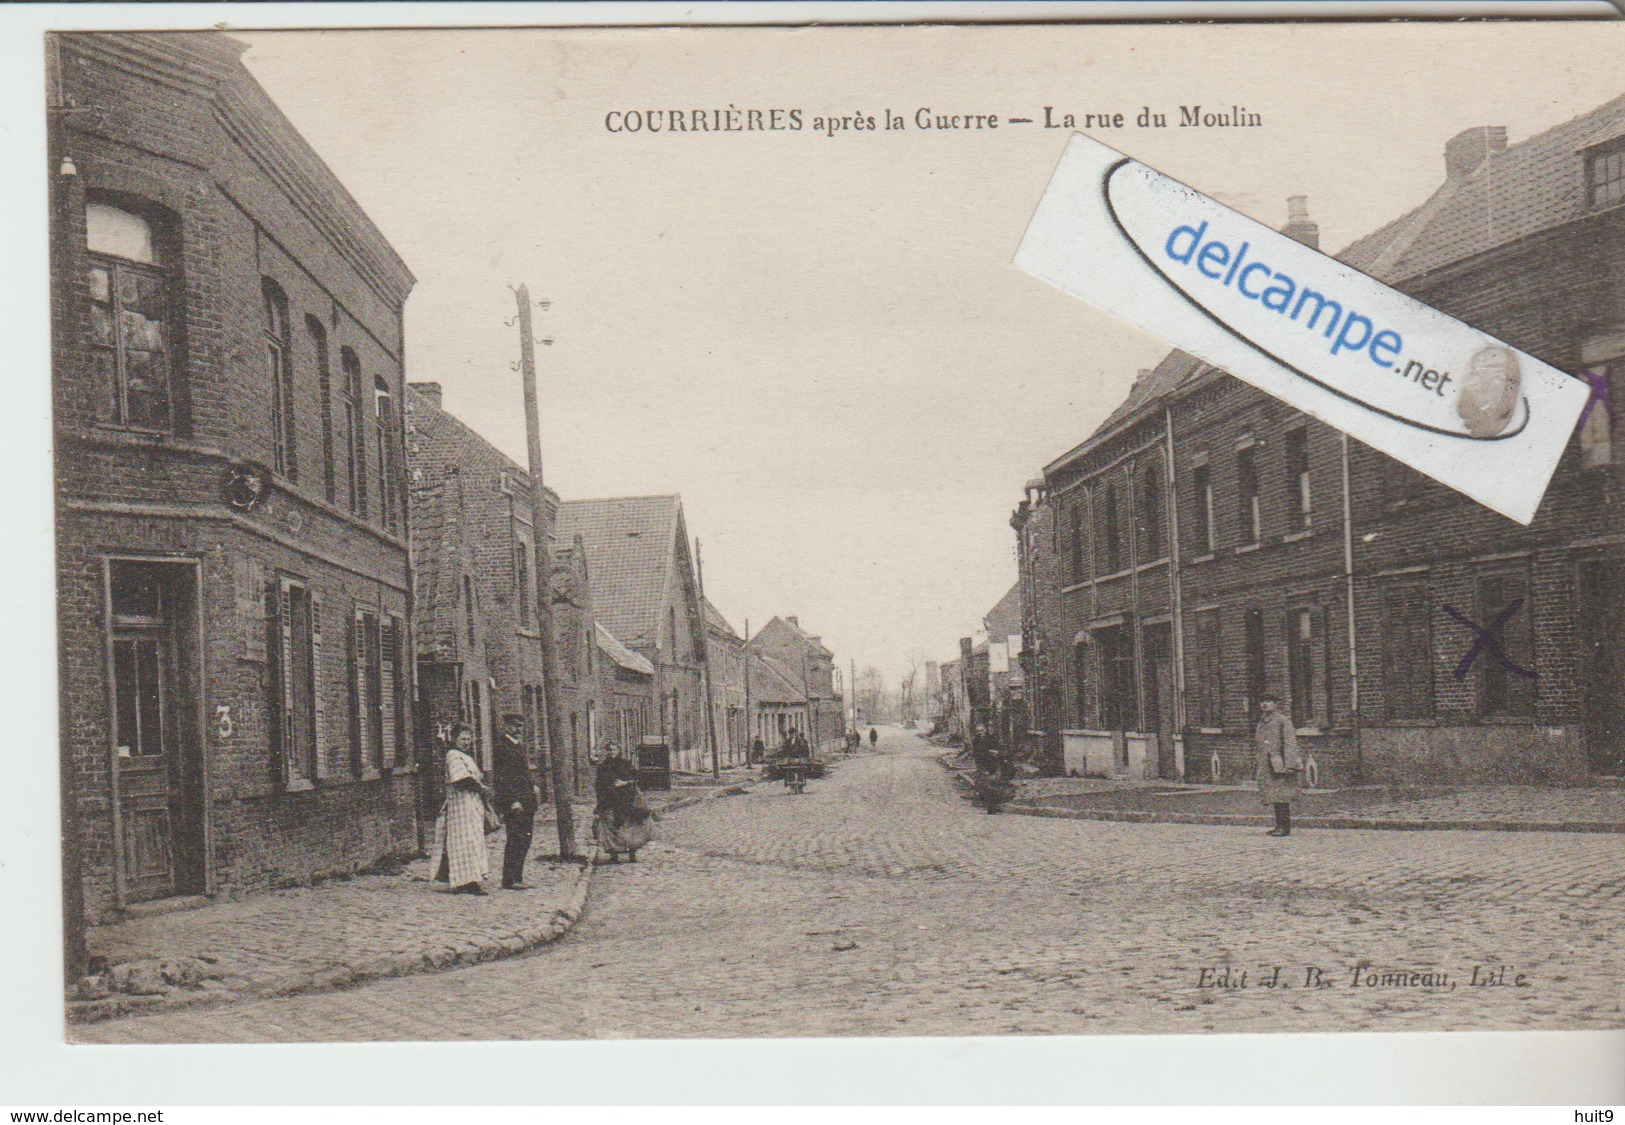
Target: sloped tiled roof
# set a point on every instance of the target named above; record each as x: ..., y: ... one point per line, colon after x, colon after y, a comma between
x: 631, y: 543
x: 772, y: 682
x: 1514, y: 192
x: 715, y: 620
x: 1004, y: 619
x: 611, y: 647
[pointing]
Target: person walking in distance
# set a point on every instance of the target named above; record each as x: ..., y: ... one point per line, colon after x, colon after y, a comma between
x: 460, y: 855
x: 874, y: 737
x: 1278, y: 767
x: 517, y: 795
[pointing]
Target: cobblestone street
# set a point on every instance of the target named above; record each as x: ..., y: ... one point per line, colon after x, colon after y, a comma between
x: 881, y: 903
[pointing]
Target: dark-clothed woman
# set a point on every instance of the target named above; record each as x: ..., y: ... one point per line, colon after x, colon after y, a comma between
x: 620, y: 822
x: 1278, y: 766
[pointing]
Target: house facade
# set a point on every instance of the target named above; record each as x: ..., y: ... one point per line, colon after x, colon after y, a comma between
x: 1208, y: 543
x: 626, y: 692
x: 232, y: 526
x: 646, y: 594
x: 479, y: 648
x: 725, y: 657
x: 802, y: 658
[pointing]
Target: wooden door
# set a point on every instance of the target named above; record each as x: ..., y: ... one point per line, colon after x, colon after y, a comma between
x: 159, y: 809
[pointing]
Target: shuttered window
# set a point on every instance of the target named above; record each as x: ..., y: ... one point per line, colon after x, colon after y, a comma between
x: 1407, y: 652
x: 1505, y: 692
x: 294, y: 641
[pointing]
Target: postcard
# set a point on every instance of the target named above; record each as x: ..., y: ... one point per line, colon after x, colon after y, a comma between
x: 675, y: 532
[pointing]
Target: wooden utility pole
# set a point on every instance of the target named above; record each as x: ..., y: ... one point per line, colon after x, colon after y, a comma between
x: 563, y: 814
x: 852, y: 686
x: 750, y: 716
x: 705, y: 665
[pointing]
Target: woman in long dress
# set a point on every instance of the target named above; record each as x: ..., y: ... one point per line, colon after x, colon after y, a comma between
x: 620, y: 822
x: 461, y: 856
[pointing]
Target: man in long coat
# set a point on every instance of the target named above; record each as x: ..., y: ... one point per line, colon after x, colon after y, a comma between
x: 1278, y: 766
x: 516, y: 797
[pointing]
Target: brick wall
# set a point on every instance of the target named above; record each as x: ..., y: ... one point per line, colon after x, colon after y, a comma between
x: 152, y: 133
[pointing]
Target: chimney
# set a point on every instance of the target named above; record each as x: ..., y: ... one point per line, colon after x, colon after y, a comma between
x: 430, y: 391
x: 1467, y: 150
x: 792, y: 621
x: 1299, y: 226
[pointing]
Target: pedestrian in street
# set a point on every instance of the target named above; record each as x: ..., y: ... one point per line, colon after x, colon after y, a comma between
x: 758, y: 751
x: 517, y: 795
x: 1278, y: 767
x: 874, y: 737
x: 461, y: 857
x: 620, y: 816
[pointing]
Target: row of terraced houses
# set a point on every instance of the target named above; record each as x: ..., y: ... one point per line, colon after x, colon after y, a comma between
x: 1208, y: 543
x: 283, y: 570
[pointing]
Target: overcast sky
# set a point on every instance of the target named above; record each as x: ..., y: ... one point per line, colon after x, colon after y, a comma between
x: 820, y: 341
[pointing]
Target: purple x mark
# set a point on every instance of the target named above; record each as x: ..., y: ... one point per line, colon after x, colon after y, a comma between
x: 1597, y: 379
x: 1488, y: 638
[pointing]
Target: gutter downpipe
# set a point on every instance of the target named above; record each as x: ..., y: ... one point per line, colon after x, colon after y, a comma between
x: 1176, y: 591
x: 1348, y: 584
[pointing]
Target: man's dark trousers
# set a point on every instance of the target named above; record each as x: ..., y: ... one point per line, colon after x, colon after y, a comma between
x: 514, y: 783
x: 520, y: 823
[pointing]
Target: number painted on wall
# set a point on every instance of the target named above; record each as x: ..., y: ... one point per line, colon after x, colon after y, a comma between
x: 222, y: 721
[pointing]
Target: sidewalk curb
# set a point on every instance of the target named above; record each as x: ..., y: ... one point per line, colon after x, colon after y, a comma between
x: 1243, y: 820
x: 438, y: 959
x: 1136, y: 816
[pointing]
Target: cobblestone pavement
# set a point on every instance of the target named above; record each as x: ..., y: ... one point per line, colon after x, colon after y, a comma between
x: 881, y: 903
x: 301, y: 936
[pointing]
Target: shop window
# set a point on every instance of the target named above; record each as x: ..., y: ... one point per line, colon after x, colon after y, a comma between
x: 133, y: 287
x: 1407, y: 652
x: 279, y: 370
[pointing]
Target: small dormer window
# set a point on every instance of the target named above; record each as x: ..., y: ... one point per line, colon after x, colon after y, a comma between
x: 1605, y: 173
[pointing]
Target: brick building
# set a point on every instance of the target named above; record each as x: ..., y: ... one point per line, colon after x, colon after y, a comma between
x: 646, y: 595
x: 811, y: 667
x: 479, y: 651
x: 626, y: 692
x: 1008, y: 719
x: 1209, y: 543
x: 725, y: 656
x: 232, y: 558
x: 777, y: 699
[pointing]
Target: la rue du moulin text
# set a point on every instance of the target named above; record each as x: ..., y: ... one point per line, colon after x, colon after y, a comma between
x: 735, y: 119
